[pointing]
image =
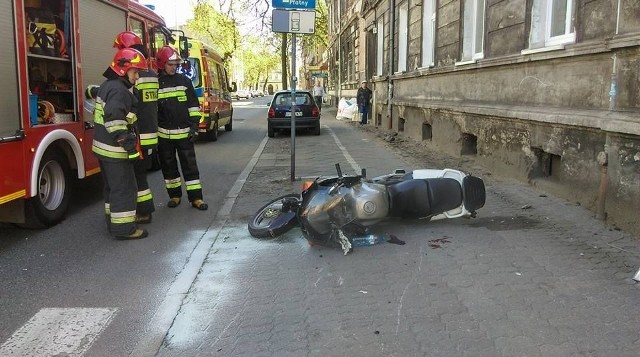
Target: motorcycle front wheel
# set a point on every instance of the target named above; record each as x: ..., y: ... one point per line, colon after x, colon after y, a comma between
x: 267, y: 222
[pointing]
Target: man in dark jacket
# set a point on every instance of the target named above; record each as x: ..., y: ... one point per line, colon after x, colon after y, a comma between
x: 363, y: 98
x: 178, y: 118
x: 146, y: 93
x: 115, y: 144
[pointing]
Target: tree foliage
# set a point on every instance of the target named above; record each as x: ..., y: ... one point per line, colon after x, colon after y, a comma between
x: 258, y: 61
x: 215, y: 27
x: 319, y: 40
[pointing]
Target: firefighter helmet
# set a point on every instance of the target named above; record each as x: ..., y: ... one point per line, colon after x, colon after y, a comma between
x: 167, y: 54
x: 127, y: 58
x: 126, y: 39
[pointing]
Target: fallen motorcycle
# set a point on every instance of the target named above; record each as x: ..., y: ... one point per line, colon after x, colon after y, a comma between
x: 335, y: 211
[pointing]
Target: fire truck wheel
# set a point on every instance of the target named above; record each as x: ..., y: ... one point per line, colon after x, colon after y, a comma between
x: 49, y: 205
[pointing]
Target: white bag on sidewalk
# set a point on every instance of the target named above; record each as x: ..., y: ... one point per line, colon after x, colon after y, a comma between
x: 347, y: 109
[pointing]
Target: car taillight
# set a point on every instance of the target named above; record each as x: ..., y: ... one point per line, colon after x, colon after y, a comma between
x: 272, y: 113
x: 315, y: 112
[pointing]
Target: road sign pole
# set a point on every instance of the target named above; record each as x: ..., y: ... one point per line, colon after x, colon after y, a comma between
x: 293, y: 106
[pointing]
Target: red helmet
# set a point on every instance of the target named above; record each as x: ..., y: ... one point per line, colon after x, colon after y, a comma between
x: 167, y: 54
x: 127, y: 58
x: 126, y: 39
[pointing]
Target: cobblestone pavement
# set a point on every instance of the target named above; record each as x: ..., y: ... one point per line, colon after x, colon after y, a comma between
x: 532, y: 275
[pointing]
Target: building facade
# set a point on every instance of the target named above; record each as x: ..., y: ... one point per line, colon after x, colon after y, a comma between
x: 547, y: 91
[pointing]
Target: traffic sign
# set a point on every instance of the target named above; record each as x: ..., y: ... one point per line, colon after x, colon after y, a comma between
x: 293, y: 21
x: 294, y: 4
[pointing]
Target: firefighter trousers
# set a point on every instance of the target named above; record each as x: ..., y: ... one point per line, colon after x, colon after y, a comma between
x: 119, y: 196
x: 145, y: 203
x: 169, y: 152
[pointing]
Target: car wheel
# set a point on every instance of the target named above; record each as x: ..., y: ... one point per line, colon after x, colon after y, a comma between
x: 270, y: 132
x: 50, y: 203
x: 316, y: 130
x: 212, y: 135
x: 229, y: 127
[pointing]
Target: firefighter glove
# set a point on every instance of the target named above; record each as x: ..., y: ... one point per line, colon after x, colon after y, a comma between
x: 91, y: 92
x: 128, y: 142
x: 193, y: 135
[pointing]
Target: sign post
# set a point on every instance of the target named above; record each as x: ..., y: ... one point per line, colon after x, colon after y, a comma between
x: 293, y: 20
x: 294, y: 79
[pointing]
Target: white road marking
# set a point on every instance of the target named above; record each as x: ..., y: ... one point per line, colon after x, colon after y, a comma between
x: 350, y: 159
x: 58, y: 332
x: 150, y: 342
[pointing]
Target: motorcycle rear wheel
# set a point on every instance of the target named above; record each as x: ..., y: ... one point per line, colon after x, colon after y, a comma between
x: 260, y: 224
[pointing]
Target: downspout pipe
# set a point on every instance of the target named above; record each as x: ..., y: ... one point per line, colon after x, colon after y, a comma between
x: 603, y: 156
x: 392, y: 28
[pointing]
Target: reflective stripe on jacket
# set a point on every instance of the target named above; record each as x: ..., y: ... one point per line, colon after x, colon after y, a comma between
x: 112, y: 117
x: 178, y: 106
x: 146, y: 91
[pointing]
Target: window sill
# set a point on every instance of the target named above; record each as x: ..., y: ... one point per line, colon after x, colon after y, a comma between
x: 464, y: 63
x: 542, y: 49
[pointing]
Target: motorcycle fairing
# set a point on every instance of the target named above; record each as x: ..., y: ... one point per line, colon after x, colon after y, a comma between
x: 424, y: 197
x: 282, y: 223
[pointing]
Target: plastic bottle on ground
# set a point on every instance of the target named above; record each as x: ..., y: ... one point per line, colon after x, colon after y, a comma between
x: 367, y: 240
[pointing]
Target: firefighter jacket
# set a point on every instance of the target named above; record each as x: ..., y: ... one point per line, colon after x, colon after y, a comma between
x: 178, y: 107
x: 114, y: 119
x: 146, y: 91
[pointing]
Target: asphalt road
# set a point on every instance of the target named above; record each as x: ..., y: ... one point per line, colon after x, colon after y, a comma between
x: 77, y: 266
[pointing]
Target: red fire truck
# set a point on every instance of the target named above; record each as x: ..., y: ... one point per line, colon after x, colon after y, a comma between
x: 53, y: 50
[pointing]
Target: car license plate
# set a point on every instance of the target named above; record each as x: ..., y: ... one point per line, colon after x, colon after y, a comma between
x: 288, y: 114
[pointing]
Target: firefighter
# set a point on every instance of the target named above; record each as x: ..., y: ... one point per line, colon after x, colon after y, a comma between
x: 178, y: 118
x: 115, y: 144
x: 146, y: 91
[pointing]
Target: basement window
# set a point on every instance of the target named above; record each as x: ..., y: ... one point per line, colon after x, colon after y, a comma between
x: 401, y: 125
x: 547, y: 164
x: 378, y: 119
x: 427, y: 133
x: 469, y: 144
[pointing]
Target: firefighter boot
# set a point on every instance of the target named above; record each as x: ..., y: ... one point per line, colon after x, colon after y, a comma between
x: 200, y: 204
x: 143, y: 218
x: 173, y: 202
x: 137, y: 234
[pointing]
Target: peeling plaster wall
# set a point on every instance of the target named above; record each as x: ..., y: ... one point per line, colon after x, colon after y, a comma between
x: 447, y: 32
x: 577, y: 82
x: 505, y: 27
x: 629, y: 16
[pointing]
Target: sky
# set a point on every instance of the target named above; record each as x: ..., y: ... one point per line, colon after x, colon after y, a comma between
x: 175, y: 12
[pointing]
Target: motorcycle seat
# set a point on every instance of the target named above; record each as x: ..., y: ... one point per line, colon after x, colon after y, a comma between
x: 424, y: 197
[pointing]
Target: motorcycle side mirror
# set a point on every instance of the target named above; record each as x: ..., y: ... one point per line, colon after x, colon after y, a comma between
x: 339, y: 170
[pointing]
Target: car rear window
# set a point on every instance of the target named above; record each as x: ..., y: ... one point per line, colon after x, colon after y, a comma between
x: 285, y: 99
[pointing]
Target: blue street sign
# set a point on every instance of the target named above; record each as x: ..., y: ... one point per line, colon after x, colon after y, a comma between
x: 294, y: 4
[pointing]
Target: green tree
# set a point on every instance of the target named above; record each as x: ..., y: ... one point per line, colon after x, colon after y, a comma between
x: 258, y: 61
x: 215, y: 27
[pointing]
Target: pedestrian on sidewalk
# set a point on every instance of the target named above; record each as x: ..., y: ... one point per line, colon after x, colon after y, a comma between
x: 116, y: 144
x: 363, y: 99
x: 178, y: 118
x: 318, y: 94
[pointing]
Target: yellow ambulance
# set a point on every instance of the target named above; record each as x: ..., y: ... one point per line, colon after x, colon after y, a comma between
x: 206, y: 70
